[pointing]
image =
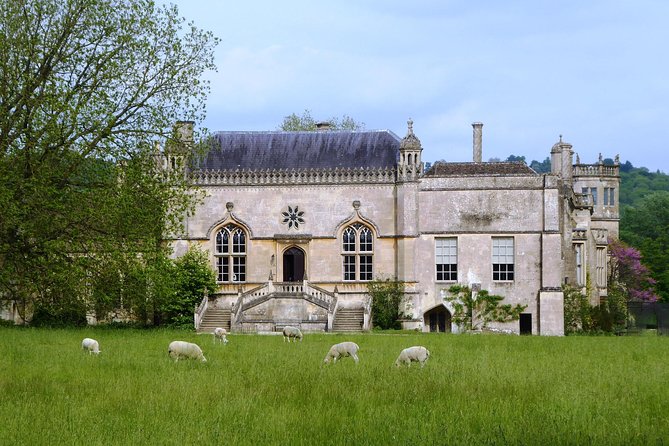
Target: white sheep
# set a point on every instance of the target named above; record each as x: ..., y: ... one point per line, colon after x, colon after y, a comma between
x: 186, y: 350
x: 91, y: 345
x: 413, y: 354
x: 342, y: 350
x: 220, y: 335
x: 291, y: 333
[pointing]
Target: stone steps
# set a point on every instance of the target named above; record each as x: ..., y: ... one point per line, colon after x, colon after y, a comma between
x: 348, y: 320
x: 215, y: 317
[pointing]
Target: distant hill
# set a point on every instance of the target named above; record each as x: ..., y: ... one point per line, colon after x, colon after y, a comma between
x: 638, y: 182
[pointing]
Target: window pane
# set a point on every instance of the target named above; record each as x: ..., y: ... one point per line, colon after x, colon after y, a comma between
x: 365, y: 240
x: 601, y: 267
x: 222, y: 269
x: 222, y: 241
x: 502, y: 258
x: 446, y: 258
x: 349, y: 240
x: 239, y: 269
x: 238, y: 242
x: 365, y: 267
x: 349, y: 267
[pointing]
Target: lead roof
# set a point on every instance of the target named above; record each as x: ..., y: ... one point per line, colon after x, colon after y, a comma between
x: 301, y: 150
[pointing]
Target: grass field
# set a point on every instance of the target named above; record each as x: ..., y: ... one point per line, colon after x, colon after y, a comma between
x: 257, y: 390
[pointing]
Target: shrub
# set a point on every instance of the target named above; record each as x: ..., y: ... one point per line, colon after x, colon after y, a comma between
x: 64, y: 314
x: 387, y: 296
x: 577, y: 314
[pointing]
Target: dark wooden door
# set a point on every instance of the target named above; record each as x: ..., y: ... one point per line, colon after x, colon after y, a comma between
x: 293, y: 265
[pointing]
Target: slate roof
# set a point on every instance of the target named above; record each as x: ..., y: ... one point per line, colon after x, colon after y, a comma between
x: 440, y: 169
x: 301, y: 150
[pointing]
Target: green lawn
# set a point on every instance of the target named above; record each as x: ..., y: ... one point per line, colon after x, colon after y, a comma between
x: 257, y: 390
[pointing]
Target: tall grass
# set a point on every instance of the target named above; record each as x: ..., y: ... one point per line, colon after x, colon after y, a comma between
x: 257, y: 390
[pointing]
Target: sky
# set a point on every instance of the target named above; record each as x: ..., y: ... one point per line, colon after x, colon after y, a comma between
x: 594, y: 71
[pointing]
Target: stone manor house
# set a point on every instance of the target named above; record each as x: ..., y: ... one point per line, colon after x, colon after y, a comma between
x: 297, y: 223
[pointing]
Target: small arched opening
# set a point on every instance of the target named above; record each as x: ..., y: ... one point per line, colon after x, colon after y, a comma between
x: 438, y: 319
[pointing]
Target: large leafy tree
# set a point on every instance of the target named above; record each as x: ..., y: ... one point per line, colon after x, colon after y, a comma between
x: 646, y: 227
x: 305, y: 122
x: 86, y: 88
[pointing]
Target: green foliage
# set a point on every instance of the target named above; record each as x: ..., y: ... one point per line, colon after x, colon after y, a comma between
x: 582, y: 318
x: 577, y: 313
x: 515, y: 158
x: 194, y: 277
x: 387, y: 296
x: 541, y: 167
x: 157, y: 291
x: 476, y: 311
x: 645, y: 225
x: 296, y: 123
x: 64, y: 313
x: 637, y: 182
x: 616, y: 305
x: 86, y: 88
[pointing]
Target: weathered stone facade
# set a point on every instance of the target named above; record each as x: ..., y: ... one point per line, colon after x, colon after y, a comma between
x: 294, y: 245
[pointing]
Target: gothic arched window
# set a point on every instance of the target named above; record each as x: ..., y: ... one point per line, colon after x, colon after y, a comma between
x: 230, y: 254
x: 357, y: 252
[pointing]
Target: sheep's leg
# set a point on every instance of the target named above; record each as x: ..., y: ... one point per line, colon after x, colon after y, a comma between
x: 355, y: 357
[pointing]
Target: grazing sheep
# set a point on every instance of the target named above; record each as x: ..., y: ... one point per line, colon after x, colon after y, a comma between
x: 187, y: 350
x: 91, y: 345
x: 342, y: 350
x: 220, y: 335
x: 413, y: 354
x: 291, y: 333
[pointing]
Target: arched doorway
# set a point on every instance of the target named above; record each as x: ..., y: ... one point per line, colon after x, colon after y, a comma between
x: 438, y: 319
x: 293, y: 265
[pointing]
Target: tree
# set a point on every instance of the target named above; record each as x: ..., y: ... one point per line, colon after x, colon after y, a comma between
x: 476, y: 311
x: 541, y: 167
x: 295, y: 123
x: 644, y: 224
x: 86, y: 88
x: 629, y: 274
x: 194, y: 279
x: 387, y: 296
x: 514, y: 158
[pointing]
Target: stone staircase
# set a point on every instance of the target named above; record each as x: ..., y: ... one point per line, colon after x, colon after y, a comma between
x: 215, y: 317
x: 348, y: 320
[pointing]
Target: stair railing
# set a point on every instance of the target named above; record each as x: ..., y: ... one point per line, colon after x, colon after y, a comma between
x: 322, y: 297
x: 253, y: 296
x: 367, y: 313
x: 201, y: 310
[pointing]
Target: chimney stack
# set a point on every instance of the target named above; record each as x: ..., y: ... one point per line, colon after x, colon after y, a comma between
x: 478, y: 137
